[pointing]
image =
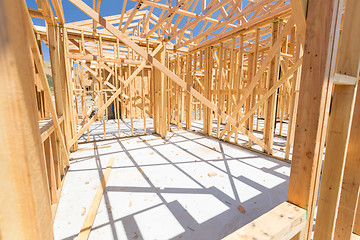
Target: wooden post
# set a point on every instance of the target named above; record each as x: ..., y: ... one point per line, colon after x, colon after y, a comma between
x: 65, y: 79
x: 231, y: 76
x: 143, y: 99
x: 350, y: 186
x: 58, y: 76
x: 294, y: 98
x: 55, y: 69
x: 250, y: 71
x: 131, y: 99
x: 160, y: 98
x: 238, y: 82
x: 102, y: 77
x: 183, y: 93
x: 356, y: 225
x: 70, y: 116
x: 342, y: 108
x: 25, y: 204
x: 188, y: 104
x: 336, y: 147
x: 169, y: 90
x: 219, y: 86
x: 122, y: 98
x: 321, y: 36
x: 177, y: 92
x: 207, y: 87
x: 50, y: 169
x: 270, y: 114
x: 252, y: 97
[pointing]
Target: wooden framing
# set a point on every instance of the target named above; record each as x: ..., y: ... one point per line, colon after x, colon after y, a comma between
x: 290, y: 221
x: 338, y: 132
x: 26, y: 207
x: 245, y: 71
x: 314, y: 101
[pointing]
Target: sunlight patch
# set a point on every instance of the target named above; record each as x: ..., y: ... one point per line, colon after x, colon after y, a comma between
x: 158, y: 223
x: 284, y: 170
x: 201, y: 207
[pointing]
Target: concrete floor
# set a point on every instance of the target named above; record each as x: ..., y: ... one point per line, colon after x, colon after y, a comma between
x: 187, y: 186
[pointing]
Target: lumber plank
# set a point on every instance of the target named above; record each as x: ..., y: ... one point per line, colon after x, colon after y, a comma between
x: 294, y: 99
x: 90, y: 217
x: 207, y: 90
x: 350, y: 185
x: 282, y: 222
x: 24, y: 196
x: 342, y: 79
x: 340, y: 121
x: 272, y: 100
x: 314, y: 100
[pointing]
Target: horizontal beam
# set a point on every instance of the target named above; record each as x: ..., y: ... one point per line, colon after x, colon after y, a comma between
x: 35, y: 13
x: 48, y: 129
x: 90, y: 57
x: 341, y: 79
x: 282, y: 222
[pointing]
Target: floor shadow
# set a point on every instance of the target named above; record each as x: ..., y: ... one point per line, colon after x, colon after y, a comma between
x: 213, y: 226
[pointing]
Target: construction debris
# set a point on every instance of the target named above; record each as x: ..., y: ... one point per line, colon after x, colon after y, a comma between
x: 212, y: 174
x: 241, y: 209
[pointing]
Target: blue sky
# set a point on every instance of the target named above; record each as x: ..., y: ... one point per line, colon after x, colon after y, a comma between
x: 72, y: 13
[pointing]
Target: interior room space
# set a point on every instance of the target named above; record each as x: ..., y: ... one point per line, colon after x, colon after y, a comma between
x: 179, y: 119
x: 185, y: 186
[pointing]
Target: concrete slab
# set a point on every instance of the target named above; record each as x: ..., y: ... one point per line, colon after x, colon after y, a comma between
x: 187, y: 186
